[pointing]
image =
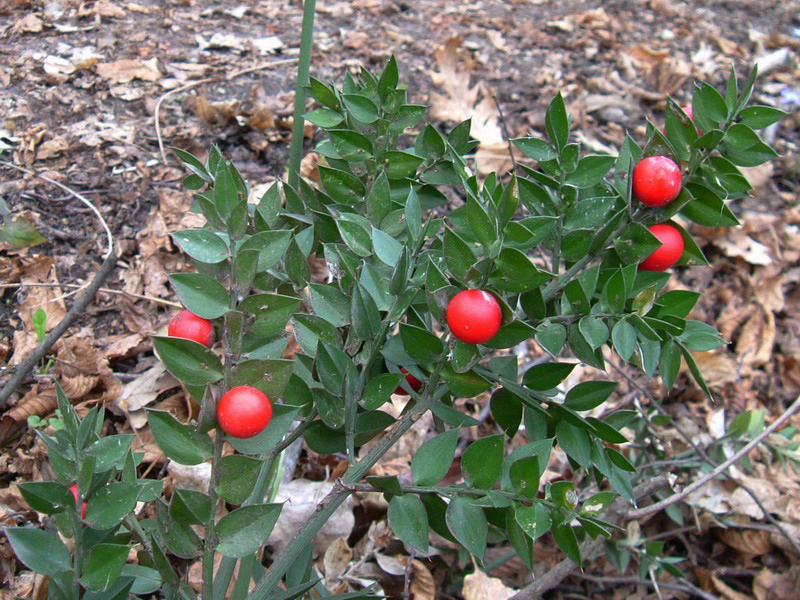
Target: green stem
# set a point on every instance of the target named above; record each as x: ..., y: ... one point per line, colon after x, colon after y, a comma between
x: 211, y: 537
x: 303, y: 67
x: 339, y: 493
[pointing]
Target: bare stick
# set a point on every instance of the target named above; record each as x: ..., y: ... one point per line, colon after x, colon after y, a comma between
x: 109, y: 261
x: 102, y: 290
x: 615, y: 514
x: 659, y: 506
x: 188, y: 86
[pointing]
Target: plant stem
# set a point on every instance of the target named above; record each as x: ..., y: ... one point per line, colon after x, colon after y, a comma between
x: 303, y: 67
x: 339, y: 493
x: 211, y: 537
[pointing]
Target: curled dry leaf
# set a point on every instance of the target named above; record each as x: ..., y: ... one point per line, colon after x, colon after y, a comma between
x: 748, y: 542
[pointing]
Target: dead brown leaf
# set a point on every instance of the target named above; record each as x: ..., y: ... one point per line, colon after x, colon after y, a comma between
x: 773, y: 586
x: 479, y: 586
x: 126, y: 70
x: 337, y: 556
x: 748, y: 542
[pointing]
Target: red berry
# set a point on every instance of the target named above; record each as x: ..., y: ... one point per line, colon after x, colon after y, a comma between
x: 243, y: 412
x: 656, y: 181
x: 189, y: 326
x: 668, y: 253
x: 412, y: 381
x: 474, y: 316
x: 74, y: 489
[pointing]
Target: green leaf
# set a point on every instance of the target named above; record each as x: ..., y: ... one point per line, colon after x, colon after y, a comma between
x: 182, y: 443
x: 355, y: 231
x: 420, y: 344
x: 324, y: 117
x: 594, y: 330
x: 589, y: 394
x: 246, y: 529
x: 510, y: 335
x: 480, y: 223
x: 270, y: 376
x: 744, y: 148
x: 546, y: 376
x: 187, y: 360
x: 507, y: 411
x: 146, y: 580
x: 468, y: 525
x: 409, y: 521
x: 296, y: 265
x: 204, y: 296
x: 575, y: 442
x: 282, y: 417
x: 413, y: 214
x: 193, y: 163
x: 48, y: 497
x: 590, y: 171
x: 759, y: 117
x: 112, y: 503
x: 104, y: 566
x: 386, y: 247
x: 323, y: 94
x: 400, y: 164
x: 362, y: 108
x: 431, y: 462
x: 351, y: 145
x: 202, y: 245
x: 670, y: 363
x: 342, y: 186
x: 482, y: 461
x: 388, y: 80
x: 457, y: 254
x: 330, y: 304
x: 271, y: 312
x: 557, y: 122
x: 464, y: 385
x: 535, y: 520
x: 700, y: 337
x: 41, y: 551
x: 635, y: 244
x: 270, y: 245
x: 695, y: 370
x: 524, y: 475
x: 517, y: 273
x: 379, y: 389
x: 535, y: 148
x: 237, y: 477
x: 707, y: 208
x: 551, y: 336
x: 565, y: 538
x: 708, y: 107
x: 365, y: 316
x: 379, y: 201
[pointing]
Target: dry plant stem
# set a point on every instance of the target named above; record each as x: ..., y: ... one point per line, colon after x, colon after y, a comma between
x: 188, y: 86
x: 109, y: 261
x: 659, y: 506
x: 616, y: 514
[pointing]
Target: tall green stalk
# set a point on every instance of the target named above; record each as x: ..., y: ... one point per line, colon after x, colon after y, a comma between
x: 303, y: 66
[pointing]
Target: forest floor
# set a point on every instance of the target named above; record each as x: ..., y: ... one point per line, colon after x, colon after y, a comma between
x: 83, y: 82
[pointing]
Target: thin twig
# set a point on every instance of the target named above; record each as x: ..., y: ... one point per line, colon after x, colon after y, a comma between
x: 504, y: 127
x: 74, y: 194
x: 407, y: 575
x: 188, y: 86
x: 109, y: 262
x: 659, y: 506
x: 683, y: 586
x: 101, y: 290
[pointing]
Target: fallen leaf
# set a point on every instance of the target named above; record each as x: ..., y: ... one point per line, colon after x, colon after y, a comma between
x: 126, y: 70
x: 773, y: 586
x: 479, y: 586
x: 337, y: 557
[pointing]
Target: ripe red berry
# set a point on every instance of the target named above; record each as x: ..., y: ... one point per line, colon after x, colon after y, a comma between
x: 243, y: 412
x: 668, y: 253
x: 74, y: 489
x: 656, y: 181
x: 412, y: 381
x: 474, y: 316
x: 189, y: 326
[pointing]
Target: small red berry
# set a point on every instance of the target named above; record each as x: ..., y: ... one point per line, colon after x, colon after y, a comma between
x: 668, y: 253
x: 189, y: 326
x: 74, y: 489
x: 656, y: 180
x: 412, y: 381
x: 474, y: 316
x: 243, y: 412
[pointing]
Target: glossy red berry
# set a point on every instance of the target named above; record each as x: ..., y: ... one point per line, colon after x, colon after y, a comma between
x: 74, y: 489
x: 668, y: 253
x: 474, y: 316
x: 412, y: 381
x: 656, y: 181
x: 243, y: 412
x: 189, y: 326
